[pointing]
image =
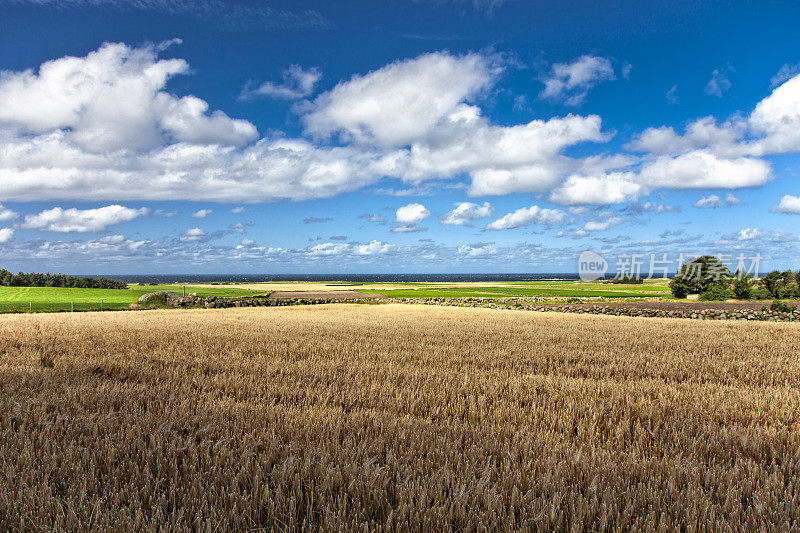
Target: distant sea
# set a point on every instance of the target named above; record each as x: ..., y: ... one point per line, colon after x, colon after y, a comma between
x: 350, y: 278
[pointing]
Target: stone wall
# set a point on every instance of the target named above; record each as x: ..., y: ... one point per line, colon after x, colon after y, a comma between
x: 529, y: 305
x: 213, y: 302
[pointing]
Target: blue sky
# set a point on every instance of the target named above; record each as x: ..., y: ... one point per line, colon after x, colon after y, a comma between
x: 163, y: 136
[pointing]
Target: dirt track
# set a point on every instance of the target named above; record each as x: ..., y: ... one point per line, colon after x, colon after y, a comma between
x: 334, y: 295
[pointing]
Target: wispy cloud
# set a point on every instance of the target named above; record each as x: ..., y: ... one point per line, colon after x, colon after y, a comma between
x: 787, y: 72
x: 297, y: 83
x: 202, y: 213
x: 719, y: 82
x: 672, y: 95
x: 375, y: 218
x: 239, y: 227
x: 486, y: 6
x: 571, y: 82
x: 227, y: 14
x: 712, y: 201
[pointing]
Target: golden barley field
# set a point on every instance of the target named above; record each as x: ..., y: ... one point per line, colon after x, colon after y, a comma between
x: 393, y: 417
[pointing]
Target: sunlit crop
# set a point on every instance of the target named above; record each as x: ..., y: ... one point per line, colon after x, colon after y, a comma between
x: 396, y: 417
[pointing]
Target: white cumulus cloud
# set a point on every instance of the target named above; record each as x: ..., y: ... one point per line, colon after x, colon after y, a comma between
x: 102, y: 127
x: 527, y: 216
x: 74, y: 220
x: 610, y: 188
x: 788, y: 204
x: 194, y: 235
x: 7, y: 214
x: 703, y: 132
x: 373, y: 248
x: 411, y: 214
x: 602, y: 225
x: 465, y: 213
x: 112, y: 99
x: 703, y: 169
x: 408, y: 216
x: 723, y: 155
x: 6, y: 235
x: 777, y: 118
x: 748, y: 234
x: 401, y: 102
x: 477, y: 250
x: 773, y: 127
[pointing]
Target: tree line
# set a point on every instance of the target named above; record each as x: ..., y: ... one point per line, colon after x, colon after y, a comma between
x: 712, y: 280
x: 37, y: 279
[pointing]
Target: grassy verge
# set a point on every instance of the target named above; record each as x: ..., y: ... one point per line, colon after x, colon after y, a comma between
x: 51, y: 299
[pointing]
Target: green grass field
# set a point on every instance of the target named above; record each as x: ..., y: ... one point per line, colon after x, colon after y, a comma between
x: 41, y: 299
x: 531, y: 288
x: 38, y: 299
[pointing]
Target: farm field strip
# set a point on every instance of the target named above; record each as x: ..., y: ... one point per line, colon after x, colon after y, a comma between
x: 397, y: 417
x: 507, y: 292
x: 21, y: 299
x: 658, y: 286
x: 60, y: 298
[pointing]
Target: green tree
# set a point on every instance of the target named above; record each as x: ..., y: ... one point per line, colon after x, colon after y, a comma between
x: 698, y: 275
x: 718, y: 291
x: 680, y: 287
x: 781, y: 285
x: 771, y: 283
x: 790, y: 287
x: 743, y: 286
x: 20, y: 280
x: 37, y: 279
